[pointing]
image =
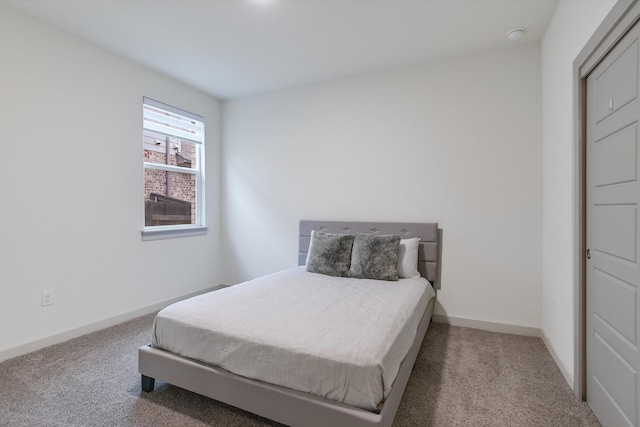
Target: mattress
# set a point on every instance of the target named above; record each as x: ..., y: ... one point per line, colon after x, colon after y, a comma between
x: 340, y: 338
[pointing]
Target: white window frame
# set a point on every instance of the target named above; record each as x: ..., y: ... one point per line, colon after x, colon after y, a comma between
x: 192, y: 133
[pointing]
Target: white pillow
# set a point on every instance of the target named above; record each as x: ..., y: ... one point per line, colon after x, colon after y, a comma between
x: 408, y: 258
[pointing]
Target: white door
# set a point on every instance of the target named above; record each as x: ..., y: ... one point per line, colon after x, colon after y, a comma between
x: 613, y: 197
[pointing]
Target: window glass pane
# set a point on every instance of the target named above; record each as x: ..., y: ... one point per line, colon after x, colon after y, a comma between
x: 175, y: 206
x: 181, y: 153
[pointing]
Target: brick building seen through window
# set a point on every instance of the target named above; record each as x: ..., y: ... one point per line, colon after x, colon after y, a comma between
x: 172, y: 169
x: 182, y: 187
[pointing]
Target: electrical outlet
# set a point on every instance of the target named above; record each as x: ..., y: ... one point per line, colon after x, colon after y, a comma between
x: 47, y: 297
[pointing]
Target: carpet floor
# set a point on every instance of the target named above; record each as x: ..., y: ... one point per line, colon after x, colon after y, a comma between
x: 462, y: 377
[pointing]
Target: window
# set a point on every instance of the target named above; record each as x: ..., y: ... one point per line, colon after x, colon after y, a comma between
x: 173, y: 161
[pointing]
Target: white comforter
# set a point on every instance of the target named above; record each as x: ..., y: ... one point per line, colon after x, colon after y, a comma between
x: 343, y: 339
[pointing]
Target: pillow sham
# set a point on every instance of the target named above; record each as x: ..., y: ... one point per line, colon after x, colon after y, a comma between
x: 329, y: 253
x: 408, y: 258
x: 375, y: 257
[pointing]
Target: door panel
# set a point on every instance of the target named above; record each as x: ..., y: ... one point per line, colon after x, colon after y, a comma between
x: 614, y: 230
x: 612, y: 300
x: 617, y: 84
x: 613, y: 197
x: 600, y: 401
x: 616, y: 376
x: 619, y: 149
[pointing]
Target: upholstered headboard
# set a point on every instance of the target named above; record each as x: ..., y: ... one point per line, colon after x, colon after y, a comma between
x: 427, y: 233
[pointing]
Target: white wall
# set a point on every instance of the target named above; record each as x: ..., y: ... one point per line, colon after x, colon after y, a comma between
x: 456, y: 141
x: 72, y: 193
x: 573, y: 24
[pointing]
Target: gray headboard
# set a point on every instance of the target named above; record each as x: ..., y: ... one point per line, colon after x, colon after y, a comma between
x: 426, y: 232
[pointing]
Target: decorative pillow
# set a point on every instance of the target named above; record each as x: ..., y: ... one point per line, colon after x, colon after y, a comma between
x: 408, y: 258
x: 375, y: 257
x: 330, y: 254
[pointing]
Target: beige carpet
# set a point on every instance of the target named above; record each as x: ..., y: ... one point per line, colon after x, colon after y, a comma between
x: 463, y: 377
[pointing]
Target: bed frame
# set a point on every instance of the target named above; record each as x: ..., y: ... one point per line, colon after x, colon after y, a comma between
x: 282, y: 404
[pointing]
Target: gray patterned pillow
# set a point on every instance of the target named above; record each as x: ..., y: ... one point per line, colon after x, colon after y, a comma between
x: 330, y: 254
x: 375, y: 257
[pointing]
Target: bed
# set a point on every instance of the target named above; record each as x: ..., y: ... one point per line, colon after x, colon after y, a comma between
x: 197, y: 351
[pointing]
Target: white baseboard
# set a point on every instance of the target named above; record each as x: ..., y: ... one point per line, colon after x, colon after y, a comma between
x: 509, y: 329
x: 568, y: 377
x: 487, y: 326
x: 438, y: 318
x: 92, y: 327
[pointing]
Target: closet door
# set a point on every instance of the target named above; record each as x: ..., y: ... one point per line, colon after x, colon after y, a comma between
x: 613, y: 198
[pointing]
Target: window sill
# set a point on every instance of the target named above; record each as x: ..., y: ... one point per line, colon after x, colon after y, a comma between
x: 173, y: 233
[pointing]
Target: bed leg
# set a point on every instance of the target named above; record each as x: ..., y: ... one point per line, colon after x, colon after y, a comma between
x: 148, y: 383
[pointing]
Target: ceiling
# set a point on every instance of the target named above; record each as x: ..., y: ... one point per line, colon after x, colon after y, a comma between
x: 235, y: 48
